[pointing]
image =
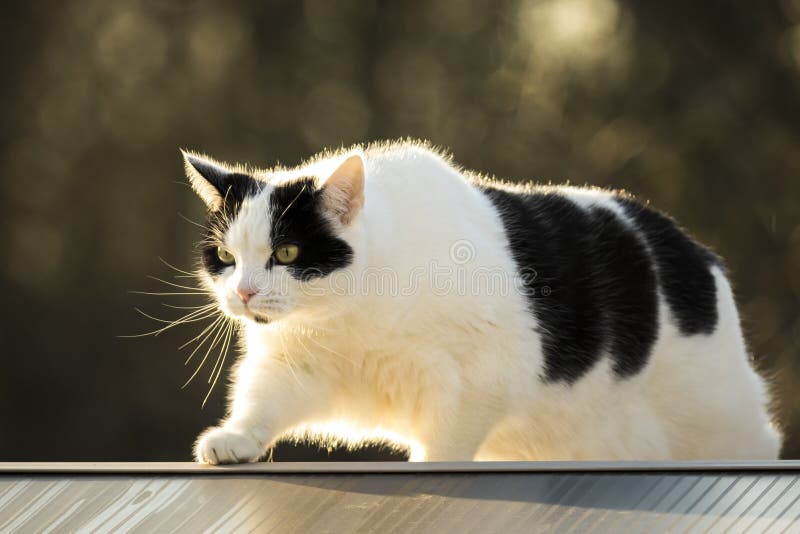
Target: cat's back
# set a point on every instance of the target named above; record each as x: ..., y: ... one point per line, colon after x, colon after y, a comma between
x: 604, y: 263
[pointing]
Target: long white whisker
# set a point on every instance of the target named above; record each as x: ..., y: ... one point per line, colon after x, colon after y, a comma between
x: 288, y: 359
x: 317, y: 343
x: 223, y: 352
x: 172, y: 284
x: 205, y: 306
x: 187, y: 219
x: 201, y: 343
x: 165, y: 262
x: 189, y: 318
x: 216, y: 340
x: 216, y: 363
x: 198, y: 336
x: 314, y: 357
x: 289, y: 206
x: 315, y: 328
x: 166, y: 294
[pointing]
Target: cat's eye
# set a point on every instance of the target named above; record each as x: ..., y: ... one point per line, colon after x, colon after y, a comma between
x: 225, y: 256
x: 285, y: 254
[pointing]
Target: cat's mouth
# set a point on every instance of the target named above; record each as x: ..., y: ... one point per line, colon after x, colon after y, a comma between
x: 256, y: 317
x: 257, y: 312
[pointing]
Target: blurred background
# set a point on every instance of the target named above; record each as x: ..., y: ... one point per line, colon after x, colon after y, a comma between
x: 692, y: 105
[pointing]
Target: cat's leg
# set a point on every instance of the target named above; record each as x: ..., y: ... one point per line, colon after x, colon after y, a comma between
x: 269, y: 397
x: 455, y: 425
x: 443, y: 410
x: 226, y: 444
x: 449, y: 444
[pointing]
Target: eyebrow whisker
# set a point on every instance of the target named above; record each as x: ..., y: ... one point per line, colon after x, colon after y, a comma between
x: 280, y: 217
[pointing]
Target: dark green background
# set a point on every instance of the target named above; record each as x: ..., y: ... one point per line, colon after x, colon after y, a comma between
x: 693, y: 105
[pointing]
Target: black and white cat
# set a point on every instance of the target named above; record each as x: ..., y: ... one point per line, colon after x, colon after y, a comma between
x: 385, y: 291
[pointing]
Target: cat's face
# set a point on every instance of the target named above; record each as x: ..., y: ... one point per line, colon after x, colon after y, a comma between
x: 273, y: 248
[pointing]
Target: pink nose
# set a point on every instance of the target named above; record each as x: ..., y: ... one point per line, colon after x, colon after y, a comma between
x: 245, y: 294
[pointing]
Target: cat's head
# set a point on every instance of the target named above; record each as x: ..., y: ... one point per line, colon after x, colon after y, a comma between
x: 281, y: 244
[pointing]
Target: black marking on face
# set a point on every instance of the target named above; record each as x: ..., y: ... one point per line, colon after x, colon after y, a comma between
x: 595, y: 289
x: 298, y: 218
x: 209, y: 257
x: 235, y: 188
x: 684, y: 269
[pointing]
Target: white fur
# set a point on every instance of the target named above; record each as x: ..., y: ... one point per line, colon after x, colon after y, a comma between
x: 456, y: 374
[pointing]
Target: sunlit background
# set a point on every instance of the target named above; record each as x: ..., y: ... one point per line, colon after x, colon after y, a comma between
x: 693, y: 105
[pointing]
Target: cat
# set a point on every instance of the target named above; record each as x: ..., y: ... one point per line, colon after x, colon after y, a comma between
x: 384, y: 290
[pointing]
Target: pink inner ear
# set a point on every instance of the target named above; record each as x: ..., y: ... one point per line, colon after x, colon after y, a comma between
x: 344, y: 189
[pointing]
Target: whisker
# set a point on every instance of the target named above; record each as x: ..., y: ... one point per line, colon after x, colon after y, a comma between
x: 289, y: 360
x: 187, y: 219
x: 307, y: 330
x: 167, y: 294
x: 198, y: 336
x: 173, y: 284
x: 172, y: 306
x: 306, y: 349
x: 223, y: 353
x: 216, y: 340
x: 317, y: 343
x: 168, y: 264
x: 216, y: 362
x: 200, y: 344
x: 188, y: 318
x: 289, y: 206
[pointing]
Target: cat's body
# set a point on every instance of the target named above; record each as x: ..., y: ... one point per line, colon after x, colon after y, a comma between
x: 472, y: 319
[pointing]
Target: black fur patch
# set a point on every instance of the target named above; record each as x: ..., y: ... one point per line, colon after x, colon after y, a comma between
x: 594, y: 292
x: 683, y: 269
x: 208, y: 252
x: 298, y: 219
x: 234, y: 189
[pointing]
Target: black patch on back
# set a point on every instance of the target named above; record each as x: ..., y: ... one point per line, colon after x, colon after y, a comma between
x: 297, y: 218
x: 683, y: 269
x: 595, y: 287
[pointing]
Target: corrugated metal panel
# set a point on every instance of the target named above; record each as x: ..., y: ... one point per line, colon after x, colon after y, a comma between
x: 504, y: 497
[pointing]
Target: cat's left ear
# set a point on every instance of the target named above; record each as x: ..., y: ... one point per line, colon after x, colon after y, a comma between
x: 209, y: 179
x: 343, y: 190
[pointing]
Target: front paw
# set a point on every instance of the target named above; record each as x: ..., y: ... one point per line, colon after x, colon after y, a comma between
x: 223, y: 446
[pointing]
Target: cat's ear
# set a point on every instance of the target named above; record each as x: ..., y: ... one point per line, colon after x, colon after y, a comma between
x: 343, y: 190
x: 209, y: 179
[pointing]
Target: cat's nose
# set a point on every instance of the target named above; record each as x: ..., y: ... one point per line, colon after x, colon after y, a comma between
x: 245, y: 294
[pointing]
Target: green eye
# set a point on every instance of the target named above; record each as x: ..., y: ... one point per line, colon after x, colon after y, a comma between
x: 286, y: 254
x: 225, y: 256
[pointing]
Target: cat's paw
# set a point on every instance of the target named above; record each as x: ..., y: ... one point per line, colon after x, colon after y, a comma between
x: 223, y: 446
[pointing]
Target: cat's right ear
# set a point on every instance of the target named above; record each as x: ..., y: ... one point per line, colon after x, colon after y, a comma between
x: 208, y: 178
